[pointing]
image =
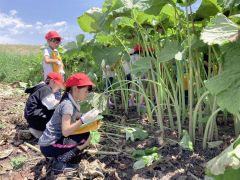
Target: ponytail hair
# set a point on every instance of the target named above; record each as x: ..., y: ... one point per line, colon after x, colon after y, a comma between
x: 47, y: 80
x: 65, y: 94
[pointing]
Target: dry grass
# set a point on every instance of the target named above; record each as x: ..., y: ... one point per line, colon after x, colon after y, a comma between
x: 19, y: 49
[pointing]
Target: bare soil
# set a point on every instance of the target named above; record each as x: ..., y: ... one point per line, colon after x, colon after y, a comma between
x: 175, y: 163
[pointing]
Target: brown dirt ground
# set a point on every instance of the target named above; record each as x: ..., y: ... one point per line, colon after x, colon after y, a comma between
x: 174, y: 164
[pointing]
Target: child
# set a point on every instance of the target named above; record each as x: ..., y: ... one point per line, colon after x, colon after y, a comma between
x: 58, y: 140
x: 135, y: 56
x: 41, y: 103
x: 108, y: 77
x: 52, y: 61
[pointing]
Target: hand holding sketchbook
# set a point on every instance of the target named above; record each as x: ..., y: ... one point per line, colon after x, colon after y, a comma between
x: 90, y: 116
x: 91, y: 122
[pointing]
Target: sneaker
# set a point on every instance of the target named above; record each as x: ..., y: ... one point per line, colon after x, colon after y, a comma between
x: 63, y: 167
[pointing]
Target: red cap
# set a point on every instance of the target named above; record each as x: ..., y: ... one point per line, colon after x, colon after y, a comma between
x: 52, y: 35
x: 138, y: 48
x: 79, y: 79
x: 57, y: 78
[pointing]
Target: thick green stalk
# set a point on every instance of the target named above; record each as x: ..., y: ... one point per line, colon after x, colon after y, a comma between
x: 195, y: 112
x: 209, y: 122
x: 190, y: 83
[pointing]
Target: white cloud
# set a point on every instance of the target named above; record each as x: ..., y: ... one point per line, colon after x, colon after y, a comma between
x: 14, y: 30
x: 13, y: 12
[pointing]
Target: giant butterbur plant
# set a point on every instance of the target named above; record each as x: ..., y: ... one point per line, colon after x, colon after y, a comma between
x: 190, y: 56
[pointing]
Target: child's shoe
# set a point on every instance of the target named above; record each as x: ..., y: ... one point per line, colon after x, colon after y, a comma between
x: 59, y: 166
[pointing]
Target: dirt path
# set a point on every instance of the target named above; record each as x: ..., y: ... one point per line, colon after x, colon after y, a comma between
x: 113, y: 160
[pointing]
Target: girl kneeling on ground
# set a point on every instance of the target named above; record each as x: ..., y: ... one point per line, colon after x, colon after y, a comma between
x: 58, y: 140
x: 41, y: 103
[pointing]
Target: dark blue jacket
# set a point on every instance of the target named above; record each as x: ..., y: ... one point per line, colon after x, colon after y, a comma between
x: 36, y: 114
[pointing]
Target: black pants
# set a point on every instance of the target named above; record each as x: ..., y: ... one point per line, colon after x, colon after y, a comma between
x: 64, y: 145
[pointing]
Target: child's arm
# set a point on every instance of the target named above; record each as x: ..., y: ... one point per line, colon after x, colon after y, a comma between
x: 69, y: 128
x: 48, y: 60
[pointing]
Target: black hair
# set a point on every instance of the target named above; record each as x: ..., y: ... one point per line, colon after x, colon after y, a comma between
x: 47, y: 80
x: 65, y: 94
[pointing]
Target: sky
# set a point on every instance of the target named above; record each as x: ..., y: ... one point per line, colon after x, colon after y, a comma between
x: 27, y: 21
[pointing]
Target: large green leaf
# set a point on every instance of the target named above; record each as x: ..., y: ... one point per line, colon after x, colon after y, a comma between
x: 109, y: 54
x: 99, y: 101
x: 123, y: 22
x: 207, y: 8
x: 141, y: 66
x: 168, y: 12
x: 219, y: 31
x: 226, y: 85
x: 227, y: 4
x: 111, y: 5
x: 92, y: 21
x: 226, y: 164
x: 120, y: 7
x: 155, y: 6
x: 142, y: 17
x: 105, y: 38
x: 170, y: 49
x: 94, y: 100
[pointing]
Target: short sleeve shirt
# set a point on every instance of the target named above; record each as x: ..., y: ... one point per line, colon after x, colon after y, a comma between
x: 47, y: 67
x: 53, y: 131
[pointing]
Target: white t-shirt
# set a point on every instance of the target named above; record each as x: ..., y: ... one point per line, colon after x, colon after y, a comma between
x: 106, y: 69
x: 47, y: 68
x: 126, y: 67
x: 134, y: 58
x: 107, y: 72
x: 50, y: 102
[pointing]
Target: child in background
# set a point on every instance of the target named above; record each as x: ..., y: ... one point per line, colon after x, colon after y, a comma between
x: 126, y: 69
x: 108, y: 76
x: 52, y: 61
x: 135, y: 55
x: 41, y: 103
x: 58, y: 140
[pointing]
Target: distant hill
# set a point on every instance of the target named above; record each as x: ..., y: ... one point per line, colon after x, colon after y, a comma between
x: 19, y: 48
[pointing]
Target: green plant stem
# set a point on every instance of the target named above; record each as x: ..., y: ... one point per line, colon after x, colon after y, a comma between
x: 210, y: 119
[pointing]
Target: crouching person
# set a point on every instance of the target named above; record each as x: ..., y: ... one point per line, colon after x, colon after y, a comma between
x: 59, y: 139
x: 41, y: 103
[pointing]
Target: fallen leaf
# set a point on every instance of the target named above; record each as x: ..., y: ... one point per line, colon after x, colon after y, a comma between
x: 5, y: 153
x: 4, y: 167
x: 214, y: 144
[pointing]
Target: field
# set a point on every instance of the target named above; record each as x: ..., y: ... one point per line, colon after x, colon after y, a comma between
x: 107, y: 160
x: 167, y: 86
x: 110, y: 159
x: 20, y: 63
